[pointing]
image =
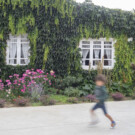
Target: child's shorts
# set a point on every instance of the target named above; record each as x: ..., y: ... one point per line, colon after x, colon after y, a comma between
x: 100, y: 105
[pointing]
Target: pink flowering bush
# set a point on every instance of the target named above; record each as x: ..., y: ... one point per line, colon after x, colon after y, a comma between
x: 23, y: 85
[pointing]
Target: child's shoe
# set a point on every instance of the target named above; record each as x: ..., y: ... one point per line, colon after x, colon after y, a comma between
x: 113, y: 124
x: 94, y: 122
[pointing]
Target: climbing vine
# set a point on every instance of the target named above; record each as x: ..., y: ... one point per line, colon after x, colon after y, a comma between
x: 55, y: 27
x: 124, y: 56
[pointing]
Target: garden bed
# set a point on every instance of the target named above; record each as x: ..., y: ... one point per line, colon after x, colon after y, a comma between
x: 59, y: 100
x: 37, y: 88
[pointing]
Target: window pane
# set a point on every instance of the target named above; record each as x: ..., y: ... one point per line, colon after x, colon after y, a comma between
x: 97, y: 42
x: 108, y: 42
x: 24, y: 50
x: 96, y: 46
x: 97, y: 53
x: 85, y: 53
x: 85, y: 62
x: 107, y: 62
x: 107, y: 54
x: 107, y: 46
x: 24, y: 61
x: 12, y: 61
x: 12, y: 53
x: 14, y: 40
x: 24, y: 40
x: 85, y: 46
x: 85, y: 42
x: 96, y: 62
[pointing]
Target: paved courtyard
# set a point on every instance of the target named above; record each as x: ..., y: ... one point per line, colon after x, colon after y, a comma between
x: 67, y: 120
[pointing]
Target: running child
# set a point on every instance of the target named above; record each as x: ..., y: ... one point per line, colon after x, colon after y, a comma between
x: 101, y: 96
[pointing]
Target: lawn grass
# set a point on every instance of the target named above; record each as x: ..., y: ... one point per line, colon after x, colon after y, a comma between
x: 60, y: 98
x: 36, y: 104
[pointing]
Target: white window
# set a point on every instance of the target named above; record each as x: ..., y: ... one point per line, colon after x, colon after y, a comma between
x: 94, y: 51
x: 18, y: 50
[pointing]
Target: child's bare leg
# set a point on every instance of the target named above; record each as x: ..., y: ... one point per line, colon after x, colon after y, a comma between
x: 109, y: 117
x: 92, y: 113
x: 94, y: 117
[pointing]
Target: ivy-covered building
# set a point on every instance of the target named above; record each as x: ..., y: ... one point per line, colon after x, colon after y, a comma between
x: 65, y: 36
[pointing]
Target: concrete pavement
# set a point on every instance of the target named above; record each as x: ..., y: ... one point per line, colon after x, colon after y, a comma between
x: 67, y: 120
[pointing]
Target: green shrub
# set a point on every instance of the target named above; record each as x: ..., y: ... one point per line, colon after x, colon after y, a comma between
x: 88, y: 89
x: 46, y: 100
x: 52, y: 102
x: 2, y: 103
x: 67, y: 82
x: 125, y: 88
x: 21, y: 101
x: 73, y: 92
x: 50, y: 90
x: 73, y: 100
x: 83, y: 99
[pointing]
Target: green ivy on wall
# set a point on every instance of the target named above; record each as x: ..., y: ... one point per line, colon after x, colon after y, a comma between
x: 124, y: 56
x: 55, y: 27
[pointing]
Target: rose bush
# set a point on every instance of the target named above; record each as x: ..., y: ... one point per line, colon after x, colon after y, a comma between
x: 23, y: 85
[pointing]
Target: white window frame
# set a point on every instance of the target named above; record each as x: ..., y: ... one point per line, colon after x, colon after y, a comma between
x: 19, y: 42
x: 102, y: 40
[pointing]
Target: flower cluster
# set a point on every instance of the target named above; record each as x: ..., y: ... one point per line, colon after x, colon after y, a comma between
x: 16, y: 84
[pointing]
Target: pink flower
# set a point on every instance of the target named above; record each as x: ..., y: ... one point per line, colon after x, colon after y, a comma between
x: 23, y: 81
x: 46, y: 79
x: 22, y: 90
x: 34, y: 73
x: 0, y: 80
x: 40, y: 71
x: 24, y: 75
x: 39, y: 76
x: 33, y: 81
x: 10, y: 76
x: 15, y: 82
x: 7, y: 81
x: 24, y: 86
x: 16, y: 75
x: 28, y: 73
